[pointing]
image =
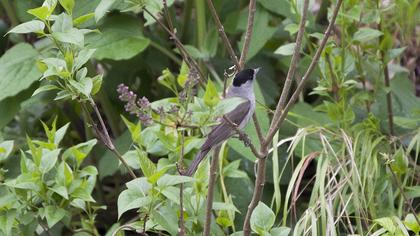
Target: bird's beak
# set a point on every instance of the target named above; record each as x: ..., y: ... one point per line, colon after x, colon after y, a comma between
x: 256, y: 70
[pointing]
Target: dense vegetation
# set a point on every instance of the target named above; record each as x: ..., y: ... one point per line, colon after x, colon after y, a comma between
x: 104, y: 103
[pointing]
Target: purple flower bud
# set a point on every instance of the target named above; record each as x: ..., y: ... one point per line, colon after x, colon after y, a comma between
x: 143, y: 103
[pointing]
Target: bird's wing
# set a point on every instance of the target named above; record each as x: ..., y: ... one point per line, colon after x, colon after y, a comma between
x: 224, y: 130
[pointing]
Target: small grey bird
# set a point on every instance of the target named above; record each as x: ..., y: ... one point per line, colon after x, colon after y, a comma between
x: 242, y: 86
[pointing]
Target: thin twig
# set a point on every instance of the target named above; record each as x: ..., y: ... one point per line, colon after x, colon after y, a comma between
x: 222, y: 33
x: 279, y: 117
x: 181, y: 193
x: 388, y: 96
x: 248, y: 34
x: 104, y: 137
x: 210, y: 192
x: 243, y: 136
x: 282, y: 115
x: 290, y: 74
x: 184, y: 53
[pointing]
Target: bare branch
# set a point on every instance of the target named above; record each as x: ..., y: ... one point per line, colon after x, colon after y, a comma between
x: 248, y: 33
x: 186, y: 56
x: 222, y: 33
x: 212, y: 180
x: 290, y: 74
x: 283, y: 113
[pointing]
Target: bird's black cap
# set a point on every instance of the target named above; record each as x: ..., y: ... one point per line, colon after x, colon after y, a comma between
x: 243, y: 76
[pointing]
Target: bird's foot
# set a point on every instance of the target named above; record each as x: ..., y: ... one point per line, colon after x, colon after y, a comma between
x: 244, y: 138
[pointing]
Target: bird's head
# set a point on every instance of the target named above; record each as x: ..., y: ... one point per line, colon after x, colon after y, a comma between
x: 245, y: 77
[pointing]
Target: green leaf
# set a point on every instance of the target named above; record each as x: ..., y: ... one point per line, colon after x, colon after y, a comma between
x: 48, y: 160
x: 280, y: 231
x: 411, y: 223
x: 400, y: 162
x: 59, y: 134
x: 146, y: 165
x: 134, y: 129
x: 366, y: 34
x: 132, y: 159
x: 82, y: 19
x: 405, y: 122
x: 45, y: 88
x: 103, y: 8
x: 286, y: 50
x: 129, y: 199
x: 42, y: 13
x: 53, y: 214
x: 121, y: 39
x: 387, y: 223
x: 73, y: 36
x: 7, y: 218
x: 34, y: 26
x: 63, y: 23
x: 6, y: 148
x: 80, y: 151
x: 68, y: 5
x: 60, y: 190
x: 183, y: 74
x: 82, y: 57
x: 211, y: 97
x: 262, y: 218
x: 166, y: 217
x: 169, y: 180
x: 97, y: 83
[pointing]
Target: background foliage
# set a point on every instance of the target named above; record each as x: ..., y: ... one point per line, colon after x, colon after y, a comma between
x: 344, y: 162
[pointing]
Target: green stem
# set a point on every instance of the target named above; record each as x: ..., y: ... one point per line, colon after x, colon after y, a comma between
x: 200, y: 7
x: 167, y: 52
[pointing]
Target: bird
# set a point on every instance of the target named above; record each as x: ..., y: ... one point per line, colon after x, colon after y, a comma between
x: 243, y: 87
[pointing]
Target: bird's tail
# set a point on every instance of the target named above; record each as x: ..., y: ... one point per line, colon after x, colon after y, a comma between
x: 197, y: 160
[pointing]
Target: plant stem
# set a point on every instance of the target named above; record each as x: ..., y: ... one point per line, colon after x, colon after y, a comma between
x: 222, y: 33
x: 256, y: 197
x: 290, y: 74
x: 187, y: 57
x: 104, y: 136
x: 212, y: 180
x: 248, y: 34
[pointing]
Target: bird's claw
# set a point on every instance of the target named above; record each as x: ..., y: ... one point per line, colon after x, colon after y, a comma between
x: 247, y: 141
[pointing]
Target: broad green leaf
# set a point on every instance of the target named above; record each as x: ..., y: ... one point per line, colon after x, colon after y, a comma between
x: 132, y: 159
x: 53, y: 214
x: 286, y: 50
x: 262, y: 218
x: 121, y: 38
x: 82, y: 19
x: 211, y: 96
x: 97, y: 83
x: 366, y: 34
x: 280, y: 231
x: 129, y: 199
x: 134, y: 129
x: 405, y: 122
x: 387, y: 223
x: 79, y: 151
x: 146, y: 165
x: 281, y: 7
x: 411, y: 223
x: 103, y: 7
x: 7, y: 218
x: 63, y: 23
x: 68, y: 5
x: 166, y: 217
x: 42, y: 13
x: 83, y: 57
x: 45, y: 88
x: 73, y: 36
x: 169, y: 180
x: 155, y: 7
x: 48, y: 160
x: 59, y: 134
x: 60, y: 190
x: 34, y: 26
x: 6, y: 148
